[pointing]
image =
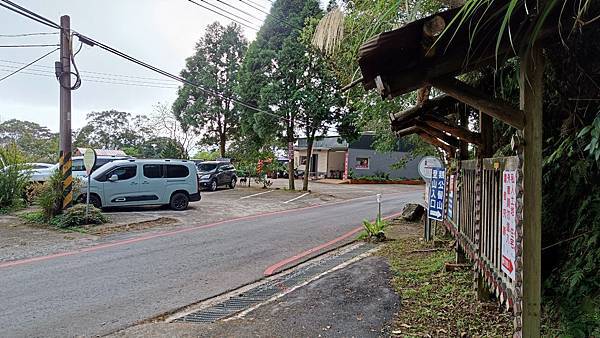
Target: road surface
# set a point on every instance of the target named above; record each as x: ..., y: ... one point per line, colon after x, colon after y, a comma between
x: 112, y: 286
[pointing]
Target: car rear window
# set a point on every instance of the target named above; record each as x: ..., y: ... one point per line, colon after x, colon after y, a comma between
x: 152, y: 171
x: 78, y: 165
x: 177, y: 171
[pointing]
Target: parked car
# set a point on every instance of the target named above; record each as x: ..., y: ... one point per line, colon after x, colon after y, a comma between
x: 39, y: 172
x: 144, y: 182
x: 212, y: 174
x: 79, y: 169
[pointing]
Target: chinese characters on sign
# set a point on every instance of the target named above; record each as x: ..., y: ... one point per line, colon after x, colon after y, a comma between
x: 436, y: 193
x: 509, y: 212
x: 450, y: 197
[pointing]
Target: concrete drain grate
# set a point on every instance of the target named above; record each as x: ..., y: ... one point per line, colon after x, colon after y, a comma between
x: 264, y: 292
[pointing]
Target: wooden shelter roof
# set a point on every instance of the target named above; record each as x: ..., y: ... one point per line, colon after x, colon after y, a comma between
x: 405, y: 59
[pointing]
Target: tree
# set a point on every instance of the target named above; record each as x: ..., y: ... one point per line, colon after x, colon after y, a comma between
x: 167, y: 125
x: 285, y: 20
x: 214, y: 67
x: 113, y: 130
x: 38, y: 143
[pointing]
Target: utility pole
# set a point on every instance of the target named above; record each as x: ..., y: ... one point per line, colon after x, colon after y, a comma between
x: 64, y: 79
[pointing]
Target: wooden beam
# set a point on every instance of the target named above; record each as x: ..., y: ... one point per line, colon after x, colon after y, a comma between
x: 441, y: 106
x: 407, y: 131
x: 531, y: 87
x: 435, y: 142
x: 450, y: 140
x: 456, y: 131
x: 499, y: 109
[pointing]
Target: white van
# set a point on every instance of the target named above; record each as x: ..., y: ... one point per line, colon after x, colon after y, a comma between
x: 144, y: 182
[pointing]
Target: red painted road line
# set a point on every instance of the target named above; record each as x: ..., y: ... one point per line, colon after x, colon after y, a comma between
x: 164, y: 234
x: 271, y: 270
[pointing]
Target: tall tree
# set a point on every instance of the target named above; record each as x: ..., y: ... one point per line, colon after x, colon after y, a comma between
x: 38, y: 143
x: 214, y: 67
x: 285, y: 20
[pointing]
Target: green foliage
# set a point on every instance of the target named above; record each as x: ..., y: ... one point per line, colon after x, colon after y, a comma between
x: 375, y: 230
x: 75, y: 217
x: 37, y: 143
x: 593, y: 130
x: 50, y: 196
x: 13, y: 177
x: 113, y: 129
x: 206, y: 155
x: 215, y: 67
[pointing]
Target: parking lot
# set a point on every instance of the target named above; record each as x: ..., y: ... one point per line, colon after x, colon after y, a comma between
x: 19, y: 240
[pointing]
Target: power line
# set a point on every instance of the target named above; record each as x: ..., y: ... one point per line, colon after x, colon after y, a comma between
x: 90, y: 72
x: 272, y: 15
x: 29, y: 14
x: 221, y: 14
x: 87, y: 79
x: 29, y: 46
x: 91, y: 42
x: 226, y: 11
x: 239, y: 10
x: 26, y: 34
x: 27, y: 65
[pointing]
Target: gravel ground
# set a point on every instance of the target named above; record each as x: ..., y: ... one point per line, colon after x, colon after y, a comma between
x: 356, y: 301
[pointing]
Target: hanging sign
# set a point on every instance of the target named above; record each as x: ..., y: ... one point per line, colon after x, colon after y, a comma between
x: 437, y: 190
x: 509, y: 221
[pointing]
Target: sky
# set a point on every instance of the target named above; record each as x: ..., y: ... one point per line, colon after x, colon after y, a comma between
x: 160, y: 32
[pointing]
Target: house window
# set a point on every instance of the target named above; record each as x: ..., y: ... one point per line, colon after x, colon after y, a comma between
x: 362, y: 163
x: 302, y: 160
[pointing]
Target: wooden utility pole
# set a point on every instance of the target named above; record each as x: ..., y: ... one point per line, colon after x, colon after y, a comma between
x: 531, y: 97
x: 64, y: 79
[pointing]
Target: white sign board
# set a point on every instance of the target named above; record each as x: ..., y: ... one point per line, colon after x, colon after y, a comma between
x: 89, y: 160
x: 509, y: 221
x: 427, y: 163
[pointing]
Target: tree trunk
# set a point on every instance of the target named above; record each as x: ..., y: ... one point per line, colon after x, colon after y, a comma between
x: 222, y: 141
x: 309, y: 142
x: 291, y: 181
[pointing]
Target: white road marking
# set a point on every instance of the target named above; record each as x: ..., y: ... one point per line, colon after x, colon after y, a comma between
x: 295, y: 198
x: 260, y: 193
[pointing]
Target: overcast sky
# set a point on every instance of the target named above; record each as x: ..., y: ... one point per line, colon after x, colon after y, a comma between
x: 159, y: 32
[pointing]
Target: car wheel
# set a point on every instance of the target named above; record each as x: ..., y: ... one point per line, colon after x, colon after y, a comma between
x: 213, y: 185
x: 94, y: 200
x: 233, y: 183
x: 179, y: 201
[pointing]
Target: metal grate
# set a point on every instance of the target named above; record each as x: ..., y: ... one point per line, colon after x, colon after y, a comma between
x: 265, y: 291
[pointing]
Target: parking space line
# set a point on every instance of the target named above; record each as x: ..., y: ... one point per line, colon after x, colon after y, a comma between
x: 260, y: 193
x: 295, y: 198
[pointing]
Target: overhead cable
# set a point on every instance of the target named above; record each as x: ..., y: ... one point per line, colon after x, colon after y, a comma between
x: 27, y: 65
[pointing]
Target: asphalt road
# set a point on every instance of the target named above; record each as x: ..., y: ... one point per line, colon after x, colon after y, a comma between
x: 109, y: 287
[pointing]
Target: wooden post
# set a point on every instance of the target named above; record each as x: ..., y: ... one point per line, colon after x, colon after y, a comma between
x: 463, y: 120
x: 531, y: 97
x: 486, y: 127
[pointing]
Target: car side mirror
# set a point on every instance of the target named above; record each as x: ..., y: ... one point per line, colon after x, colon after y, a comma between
x: 113, y: 178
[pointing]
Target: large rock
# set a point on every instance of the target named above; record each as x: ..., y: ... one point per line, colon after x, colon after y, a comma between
x: 412, y: 212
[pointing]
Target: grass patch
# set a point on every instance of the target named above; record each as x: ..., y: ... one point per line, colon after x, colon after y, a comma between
x: 437, y: 303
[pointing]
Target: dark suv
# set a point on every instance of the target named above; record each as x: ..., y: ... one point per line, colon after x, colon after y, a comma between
x: 212, y: 174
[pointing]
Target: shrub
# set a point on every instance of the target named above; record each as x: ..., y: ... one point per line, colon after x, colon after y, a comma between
x: 50, y: 196
x: 75, y: 217
x: 375, y: 230
x: 13, y: 178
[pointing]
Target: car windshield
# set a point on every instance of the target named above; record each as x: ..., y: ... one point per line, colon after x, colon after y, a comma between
x: 207, y: 166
